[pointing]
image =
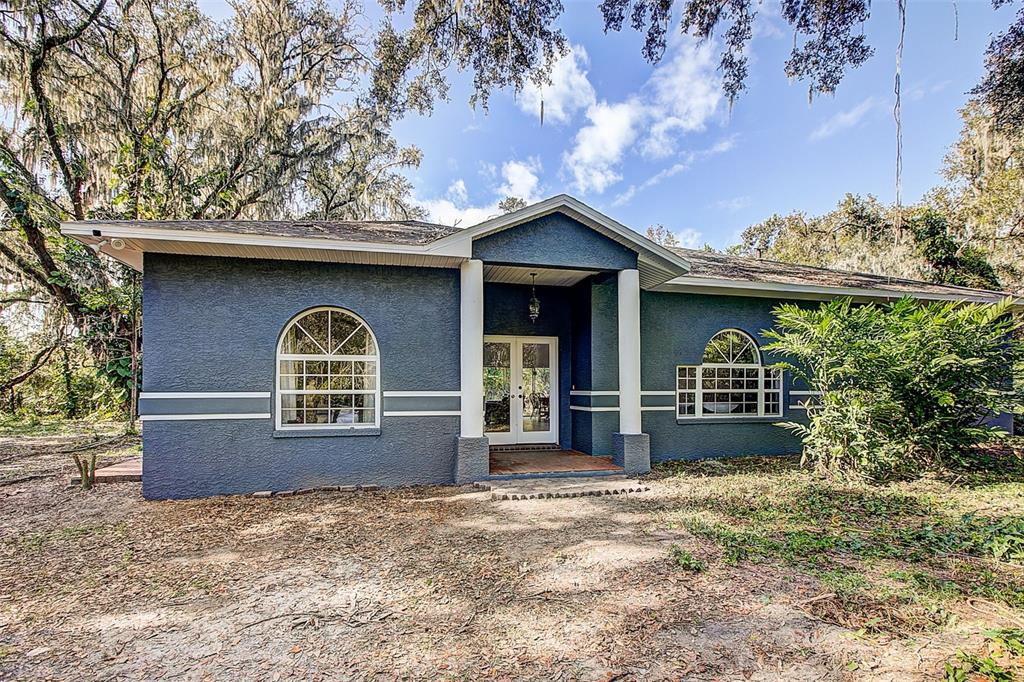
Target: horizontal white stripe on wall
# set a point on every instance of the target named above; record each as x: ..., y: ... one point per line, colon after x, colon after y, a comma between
x: 197, y: 417
x: 422, y: 394
x: 805, y: 392
x: 657, y: 408
x: 593, y: 392
x: 582, y: 408
x: 438, y: 413
x: 798, y: 407
x: 199, y: 394
x: 657, y: 392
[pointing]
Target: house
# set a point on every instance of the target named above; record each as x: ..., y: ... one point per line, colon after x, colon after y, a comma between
x: 289, y: 355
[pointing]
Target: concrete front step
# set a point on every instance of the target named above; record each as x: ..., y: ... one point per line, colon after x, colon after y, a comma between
x: 549, y: 488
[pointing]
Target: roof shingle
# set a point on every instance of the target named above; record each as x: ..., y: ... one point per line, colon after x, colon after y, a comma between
x: 409, y: 232
x: 756, y: 270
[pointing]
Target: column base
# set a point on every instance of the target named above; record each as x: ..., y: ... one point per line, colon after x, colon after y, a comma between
x: 472, y: 459
x: 632, y: 452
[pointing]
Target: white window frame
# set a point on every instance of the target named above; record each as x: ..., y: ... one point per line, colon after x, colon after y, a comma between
x: 378, y: 405
x: 698, y: 390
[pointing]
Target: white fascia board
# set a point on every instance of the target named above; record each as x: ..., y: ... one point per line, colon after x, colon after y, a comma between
x: 687, y: 284
x: 109, y: 231
x: 568, y: 205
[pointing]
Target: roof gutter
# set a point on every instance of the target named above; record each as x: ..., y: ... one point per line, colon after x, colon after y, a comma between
x: 728, y: 287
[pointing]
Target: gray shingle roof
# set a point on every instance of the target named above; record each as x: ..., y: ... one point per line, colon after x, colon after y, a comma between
x: 757, y: 270
x: 382, y: 231
x: 704, y: 263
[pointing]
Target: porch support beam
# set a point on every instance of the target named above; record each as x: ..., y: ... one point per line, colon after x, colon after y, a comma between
x: 629, y: 352
x: 471, y: 356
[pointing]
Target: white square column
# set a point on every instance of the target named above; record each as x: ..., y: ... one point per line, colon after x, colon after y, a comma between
x: 471, y: 356
x: 629, y: 352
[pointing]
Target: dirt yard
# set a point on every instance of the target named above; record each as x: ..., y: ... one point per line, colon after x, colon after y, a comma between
x: 721, y: 571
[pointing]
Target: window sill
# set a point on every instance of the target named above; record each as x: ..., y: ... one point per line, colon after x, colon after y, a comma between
x: 730, y: 420
x: 325, y: 433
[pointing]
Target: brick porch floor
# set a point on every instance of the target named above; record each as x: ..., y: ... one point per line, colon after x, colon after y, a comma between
x: 547, y: 461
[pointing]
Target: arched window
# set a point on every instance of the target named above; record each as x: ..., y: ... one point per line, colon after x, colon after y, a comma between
x: 328, y: 372
x: 730, y: 382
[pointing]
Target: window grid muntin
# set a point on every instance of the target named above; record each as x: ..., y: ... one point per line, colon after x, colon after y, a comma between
x: 345, y: 386
x: 754, y: 387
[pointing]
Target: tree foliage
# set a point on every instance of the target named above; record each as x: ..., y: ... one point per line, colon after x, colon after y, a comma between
x: 1002, y: 87
x: 659, y: 234
x: 860, y: 236
x: 128, y: 109
x: 904, y: 386
x: 827, y: 39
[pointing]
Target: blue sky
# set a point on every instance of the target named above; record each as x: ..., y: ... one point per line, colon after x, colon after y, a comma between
x: 656, y: 144
x: 653, y: 144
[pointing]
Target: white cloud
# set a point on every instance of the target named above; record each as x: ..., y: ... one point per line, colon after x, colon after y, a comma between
x: 690, y: 238
x: 681, y: 96
x: 685, y: 161
x: 569, y: 90
x: 457, y: 191
x: 599, y: 146
x: 686, y: 93
x: 518, y: 179
x: 733, y: 204
x: 844, y: 120
x: 521, y: 179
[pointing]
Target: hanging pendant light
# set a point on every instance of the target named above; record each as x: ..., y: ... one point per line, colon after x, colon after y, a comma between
x: 534, y: 301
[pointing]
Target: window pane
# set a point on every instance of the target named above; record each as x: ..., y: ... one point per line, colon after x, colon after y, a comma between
x: 342, y: 383
x: 316, y: 400
x: 312, y: 333
x: 316, y: 417
x: 342, y: 327
x: 360, y: 343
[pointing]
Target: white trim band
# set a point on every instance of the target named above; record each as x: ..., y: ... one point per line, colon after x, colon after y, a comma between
x: 593, y: 392
x: 422, y: 394
x: 657, y: 408
x: 438, y: 413
x: 805, y: 392
x: 199, y: 394
x: 581, y: 408
x: 199, y: 417
x: 657, y: 393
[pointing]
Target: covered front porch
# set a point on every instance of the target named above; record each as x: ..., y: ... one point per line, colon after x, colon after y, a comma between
x: 554, y: 385
x: 549, y: 331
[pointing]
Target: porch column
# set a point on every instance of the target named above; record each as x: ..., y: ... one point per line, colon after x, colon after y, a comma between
x: 632, y: 447
x: 471, y: 357
x: 629, y: 352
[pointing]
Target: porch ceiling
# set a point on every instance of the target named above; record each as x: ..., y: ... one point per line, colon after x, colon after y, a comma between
x: 549, y: 277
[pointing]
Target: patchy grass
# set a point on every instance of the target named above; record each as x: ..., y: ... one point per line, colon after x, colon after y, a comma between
x: 684, y: 560
x: 897, y: 560
x: 1001, y: 661
x: 745, y: 569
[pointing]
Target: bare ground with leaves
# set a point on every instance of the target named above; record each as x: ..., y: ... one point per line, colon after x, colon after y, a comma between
x: 442, y: 583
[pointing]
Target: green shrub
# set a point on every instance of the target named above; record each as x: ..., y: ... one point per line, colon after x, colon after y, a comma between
x: 904, y: 385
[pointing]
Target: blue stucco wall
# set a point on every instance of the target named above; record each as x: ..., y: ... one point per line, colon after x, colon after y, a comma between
x: 595, y: 362
x: 212, y: 324
x: 505, y: 313
x: 675, y: 327
x: 554, y: 240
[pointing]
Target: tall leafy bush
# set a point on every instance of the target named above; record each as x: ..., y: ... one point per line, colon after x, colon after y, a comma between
x: 904, y: 385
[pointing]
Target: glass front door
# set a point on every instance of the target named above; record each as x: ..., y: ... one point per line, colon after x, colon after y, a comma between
x: 521, y: 389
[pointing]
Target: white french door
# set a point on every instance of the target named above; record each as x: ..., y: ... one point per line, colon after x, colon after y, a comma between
x: 521, y: 389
